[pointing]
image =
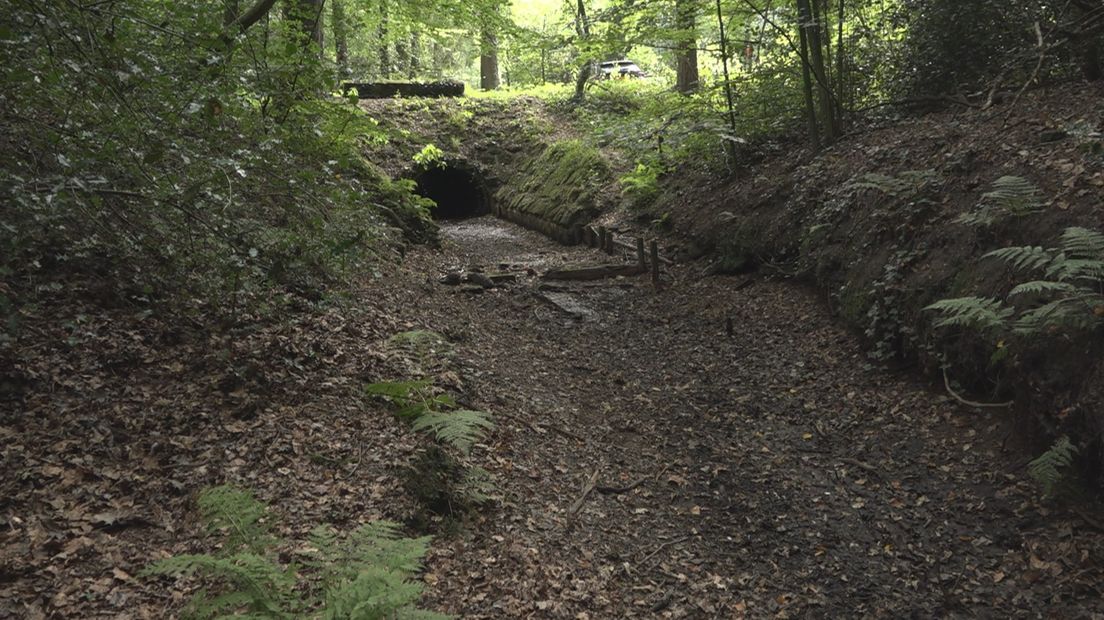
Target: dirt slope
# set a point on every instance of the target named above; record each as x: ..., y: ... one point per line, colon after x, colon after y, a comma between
x: 880, y: 259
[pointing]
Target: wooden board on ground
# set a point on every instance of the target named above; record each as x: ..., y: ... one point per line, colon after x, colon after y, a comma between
x: 591, y: 272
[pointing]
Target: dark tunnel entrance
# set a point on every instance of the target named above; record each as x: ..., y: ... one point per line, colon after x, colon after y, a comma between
x: 458, y: 191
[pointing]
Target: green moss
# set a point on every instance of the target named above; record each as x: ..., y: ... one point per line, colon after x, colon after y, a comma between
x: 560, y: 186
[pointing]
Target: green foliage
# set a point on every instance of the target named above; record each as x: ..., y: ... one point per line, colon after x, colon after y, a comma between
x: 366, y: 574
x: 184, y: 168
x: 954, y: 46
x: 1071, y: 295
x: 641, y: 186
x: 973, y: 312
x: 239, y: 515
x: 430, y: 157
x: 442, y: 479
x: 1051, y: 467
x: 433, y: 413
x: 1010, y: 196
x: 460, y: 428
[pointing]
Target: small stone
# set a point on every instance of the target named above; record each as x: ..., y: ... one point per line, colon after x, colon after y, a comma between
x: 451, y: 278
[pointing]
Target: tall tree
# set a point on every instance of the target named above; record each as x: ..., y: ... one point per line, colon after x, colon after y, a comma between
x: 308, y: 15
x: 813, y: 56
x: 384, y: 43
x: 686, y: 54
x: 340, y: 23
x: 582, y: 29
x: 488, y: 57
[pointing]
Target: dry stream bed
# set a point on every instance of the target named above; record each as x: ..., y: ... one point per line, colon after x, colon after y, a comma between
x: 650, y: 464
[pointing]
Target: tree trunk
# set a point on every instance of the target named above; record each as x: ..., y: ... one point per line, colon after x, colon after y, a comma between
x: 308, y: 14
x: 341, y: 36
x: 402, y: 56
x: 415, y: 51
x: 582, y: 29
x: 814, y: 58
x: 807, y: 88
x: 384, y: 47
x: 687, y: 52
x: 729, y: 100
x: 488, y: 59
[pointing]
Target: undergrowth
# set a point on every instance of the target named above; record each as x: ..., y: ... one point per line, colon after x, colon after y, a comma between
x: 178, y: 171
x: 368, y: 573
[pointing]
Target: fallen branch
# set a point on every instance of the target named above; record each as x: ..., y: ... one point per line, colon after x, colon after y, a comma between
x: 662, y: 547
x: 970, y: 403
x: 587, y: 488
x: 612, y: 490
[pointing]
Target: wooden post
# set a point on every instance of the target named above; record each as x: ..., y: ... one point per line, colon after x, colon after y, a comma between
x: 640, y: 262
x: 602, y: 237
x: 655, y: 263
x: 609, y: 242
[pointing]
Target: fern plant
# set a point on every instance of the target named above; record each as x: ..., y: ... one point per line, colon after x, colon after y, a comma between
x: 366, y: 574
x: 1051, y: 467
x: 460, y: 429
x: 1069, y: 293
x: 1010, y: 196
x: 905, y: 186
x: 438, y: 416
x: 435, y: 414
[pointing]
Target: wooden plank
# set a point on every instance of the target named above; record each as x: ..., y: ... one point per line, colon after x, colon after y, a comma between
x: 591, y: 272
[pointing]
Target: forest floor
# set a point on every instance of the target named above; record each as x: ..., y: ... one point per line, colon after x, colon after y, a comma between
x: 768, y: 472
x: 647, y: 462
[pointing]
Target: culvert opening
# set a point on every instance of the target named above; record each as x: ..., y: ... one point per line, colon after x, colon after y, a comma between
x: 458, y: 191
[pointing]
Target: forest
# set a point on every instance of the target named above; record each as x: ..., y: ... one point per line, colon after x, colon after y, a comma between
x: 551, y: 308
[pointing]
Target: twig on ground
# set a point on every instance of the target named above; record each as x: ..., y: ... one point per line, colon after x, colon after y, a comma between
x: 970, y: 403
x: 863, y: 466
x: 661, y: 548
x: 587, y: 488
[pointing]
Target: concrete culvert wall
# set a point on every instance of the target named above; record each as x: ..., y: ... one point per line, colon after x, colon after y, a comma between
x: 459, y: 191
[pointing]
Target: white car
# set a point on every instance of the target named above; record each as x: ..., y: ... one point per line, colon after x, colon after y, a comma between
x: 619, y: 69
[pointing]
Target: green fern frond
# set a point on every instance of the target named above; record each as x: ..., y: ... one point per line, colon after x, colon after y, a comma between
x: 256, y: 583
x: 1016, y: 195
x: 1023, y: 257
x: 1049, y: 469
x: 373, y: 593
x: 1071, y: 312
x: 1083, y: 243
x: 367, y: 573
x: 238, y: 513
x: 978, y: 312
x: 477, y: 486
x: 1039, y: 287
x: 460, y: 429
x: 1067, y: 269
